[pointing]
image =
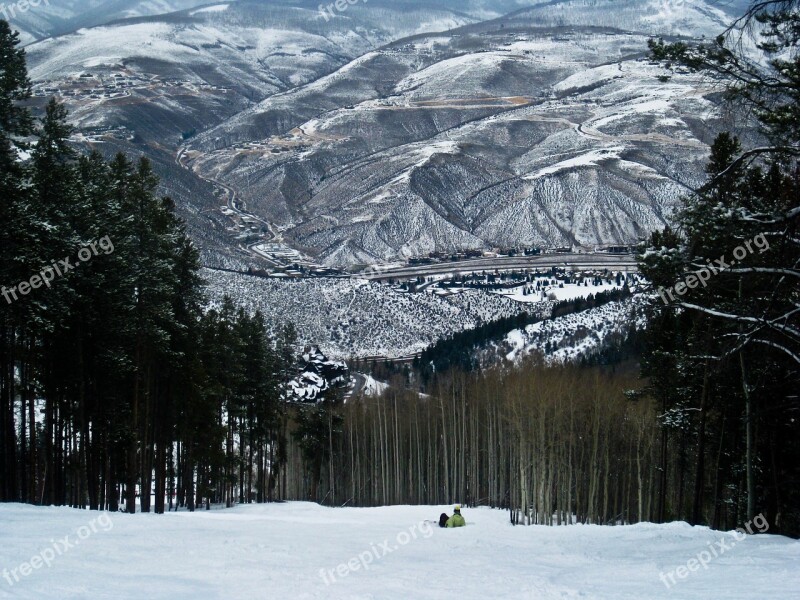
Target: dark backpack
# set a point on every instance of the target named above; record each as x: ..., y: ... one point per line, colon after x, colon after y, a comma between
x: 443, y: 520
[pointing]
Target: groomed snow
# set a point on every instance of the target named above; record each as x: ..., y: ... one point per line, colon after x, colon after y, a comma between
x: 281, y: 551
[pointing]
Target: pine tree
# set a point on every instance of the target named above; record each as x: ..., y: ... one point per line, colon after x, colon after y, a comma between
x: 16, y: 125
x: 740, y: 324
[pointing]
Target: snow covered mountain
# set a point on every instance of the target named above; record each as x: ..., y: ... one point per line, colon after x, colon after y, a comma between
x: 143, y: 85
x: 53, y: 17
x: 654, y: 17
x: 398, y: 128
x: 498, y: 134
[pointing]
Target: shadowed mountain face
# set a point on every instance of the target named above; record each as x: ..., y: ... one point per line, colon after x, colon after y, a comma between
x: 360, y: 135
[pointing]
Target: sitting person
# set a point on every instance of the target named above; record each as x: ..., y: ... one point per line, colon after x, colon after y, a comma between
x: 443, y: 518
x: 456, y: 520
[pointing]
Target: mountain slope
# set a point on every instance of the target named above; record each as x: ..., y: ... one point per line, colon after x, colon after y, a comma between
x: 143, y: 85
x: 359, y: 136
x: 497, y: 134
x: 55, y: 17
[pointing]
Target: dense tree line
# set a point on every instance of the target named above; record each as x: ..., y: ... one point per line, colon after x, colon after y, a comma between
x: 114, y: 381
x: 549, y: 444
x: 722, y: 356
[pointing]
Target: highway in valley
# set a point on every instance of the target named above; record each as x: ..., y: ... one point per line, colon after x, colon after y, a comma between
x: 574, y: 262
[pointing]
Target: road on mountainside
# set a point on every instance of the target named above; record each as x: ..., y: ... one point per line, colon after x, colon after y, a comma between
x: 237, y: 206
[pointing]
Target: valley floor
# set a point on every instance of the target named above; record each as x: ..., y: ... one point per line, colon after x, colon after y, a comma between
x: 301, y: 550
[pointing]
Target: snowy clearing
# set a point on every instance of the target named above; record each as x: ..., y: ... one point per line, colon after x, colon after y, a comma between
x: 289, y: 550
x: 569, y: 291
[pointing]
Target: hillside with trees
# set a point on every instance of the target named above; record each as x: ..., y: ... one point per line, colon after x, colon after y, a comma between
x: 114, y: 375
x: 120, y: 381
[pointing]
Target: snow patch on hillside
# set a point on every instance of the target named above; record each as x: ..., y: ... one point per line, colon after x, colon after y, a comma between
x: 211, y: 9
x: 589, y: 159
x: 576, y: 335
x: 373, y: 387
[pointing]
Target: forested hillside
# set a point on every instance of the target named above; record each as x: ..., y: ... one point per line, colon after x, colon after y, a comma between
x: 124, y: 386
x: 723, y: 356
x: 113, y: 376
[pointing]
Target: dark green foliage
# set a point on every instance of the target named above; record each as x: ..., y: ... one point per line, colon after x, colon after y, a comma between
x: 115, y: 383
x: 723, y: 359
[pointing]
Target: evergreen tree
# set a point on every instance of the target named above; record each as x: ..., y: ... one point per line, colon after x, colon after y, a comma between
x: 16, y: 125
x: 732, y: 285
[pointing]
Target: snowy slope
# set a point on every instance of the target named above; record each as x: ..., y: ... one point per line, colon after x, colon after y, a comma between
x: 356, y: 318
x: 398, y: 126
x: 657, y: 17
x: 568, y: 338
x: 293, y: 550
x: 53, y: 17
x: 143, y: 85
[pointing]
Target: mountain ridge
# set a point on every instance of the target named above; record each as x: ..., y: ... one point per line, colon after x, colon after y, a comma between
x: 364, y: 145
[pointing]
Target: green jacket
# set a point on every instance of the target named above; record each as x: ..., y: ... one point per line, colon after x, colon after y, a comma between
x: 456, y: 521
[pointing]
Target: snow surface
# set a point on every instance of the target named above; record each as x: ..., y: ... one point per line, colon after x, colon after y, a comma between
x: 589, y: 159
x: 373, y: 387
x: 283, y: 550
x: 214, y: 8
x: 569, y: 291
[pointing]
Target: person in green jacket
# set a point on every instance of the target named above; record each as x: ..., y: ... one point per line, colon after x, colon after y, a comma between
x: 456, y: 520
